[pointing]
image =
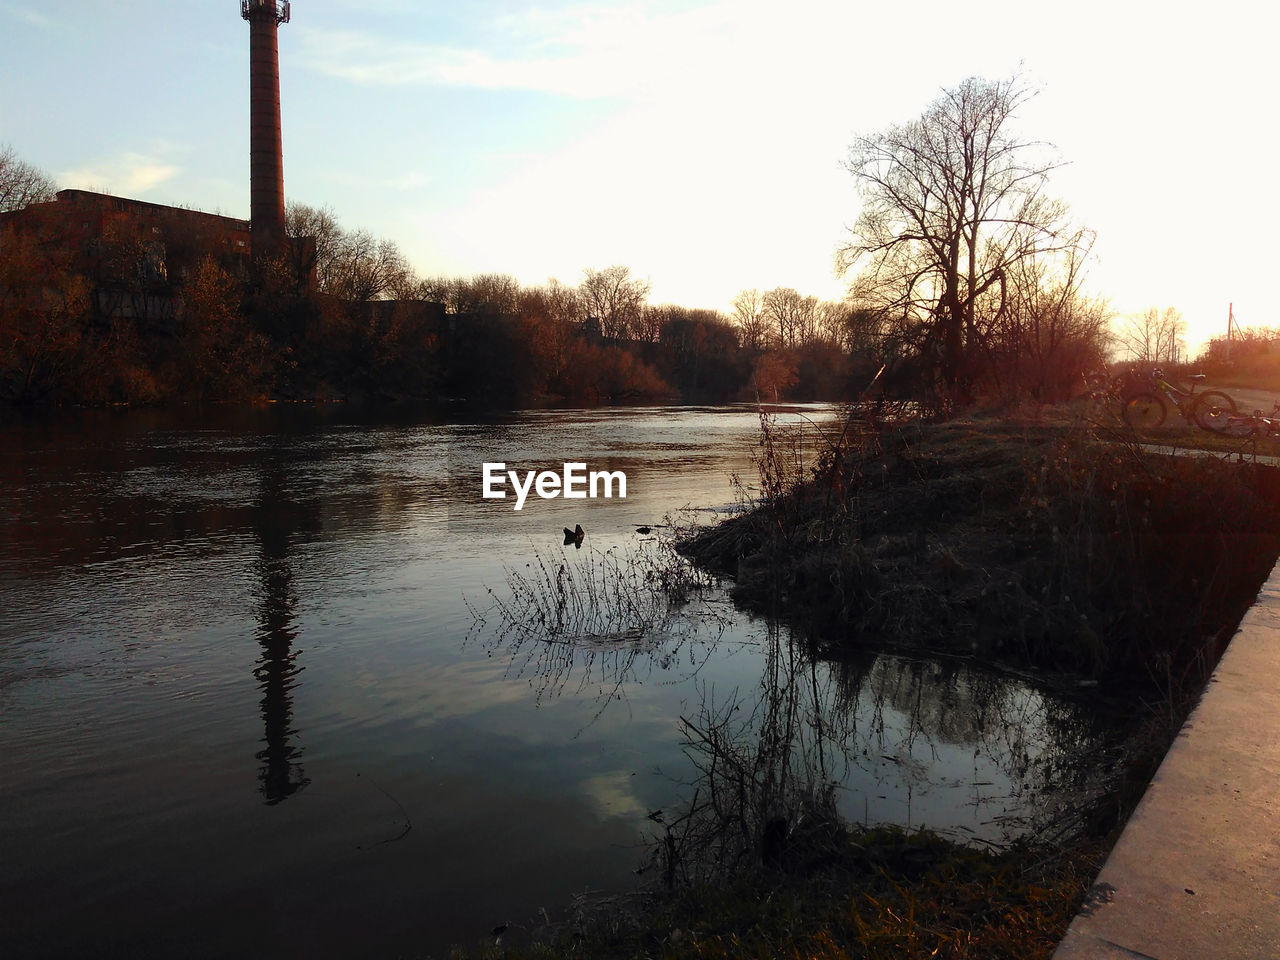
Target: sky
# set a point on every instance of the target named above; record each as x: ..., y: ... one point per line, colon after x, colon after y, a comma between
x: 701, y: 144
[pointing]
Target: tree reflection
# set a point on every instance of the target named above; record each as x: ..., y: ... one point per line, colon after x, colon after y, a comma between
x: 275, y: 520
x: 768, y: 768
x: 1031, y: 753
x: 780, y: 771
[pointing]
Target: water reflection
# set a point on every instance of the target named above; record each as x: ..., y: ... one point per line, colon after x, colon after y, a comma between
x: 148, y: 566
x: 871, y: 738
x: 274, y: 520
x: 1023, y: 758
x: 232, y: 546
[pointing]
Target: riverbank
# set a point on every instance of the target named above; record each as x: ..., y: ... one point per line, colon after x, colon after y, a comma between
x: 1073, y: 556
x: 883, y: 893
x: 1077, y: 555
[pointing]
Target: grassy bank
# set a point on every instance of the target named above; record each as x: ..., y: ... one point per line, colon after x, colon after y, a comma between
x: 887, y: 894
x: 1083, y: 557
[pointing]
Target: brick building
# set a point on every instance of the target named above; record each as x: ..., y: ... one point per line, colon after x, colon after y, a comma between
x: 134, y: 255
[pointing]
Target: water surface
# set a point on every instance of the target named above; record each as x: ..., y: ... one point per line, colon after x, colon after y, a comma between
x: 256, y: 698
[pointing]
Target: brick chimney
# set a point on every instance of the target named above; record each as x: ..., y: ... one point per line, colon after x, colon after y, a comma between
x: 266, y: 157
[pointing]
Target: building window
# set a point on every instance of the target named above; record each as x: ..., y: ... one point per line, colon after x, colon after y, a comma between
x: 151, y: 266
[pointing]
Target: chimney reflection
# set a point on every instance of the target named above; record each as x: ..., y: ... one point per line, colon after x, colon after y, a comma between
x: 274, y: 521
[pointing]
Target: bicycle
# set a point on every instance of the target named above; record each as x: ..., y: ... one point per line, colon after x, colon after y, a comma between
x: 1257, y: 425
x: 1147, y: 409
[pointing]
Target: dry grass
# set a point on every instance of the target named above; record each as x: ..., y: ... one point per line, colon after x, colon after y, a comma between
x: 890, y: 894
x: 591, y: 618
x: 591, y: 597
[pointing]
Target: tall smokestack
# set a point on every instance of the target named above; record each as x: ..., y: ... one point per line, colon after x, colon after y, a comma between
x: 266, y: 159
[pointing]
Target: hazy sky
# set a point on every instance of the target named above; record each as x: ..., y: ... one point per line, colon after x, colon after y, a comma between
x: 698, y: 143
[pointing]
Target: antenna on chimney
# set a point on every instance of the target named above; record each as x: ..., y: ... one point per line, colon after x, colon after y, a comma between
x: 279, y: 10
x: 266, y: 155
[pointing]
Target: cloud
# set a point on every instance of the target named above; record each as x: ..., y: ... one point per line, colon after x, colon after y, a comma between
x: 413, y: 180
x: 129, y: 174
x: 639, y: 50
x: 370, y: 60
x: 614, y: 794
x: 27, y: 16
x: 366, y: 7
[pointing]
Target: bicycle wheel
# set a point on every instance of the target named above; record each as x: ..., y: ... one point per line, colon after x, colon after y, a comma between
x: 1143, y: 411
x: 1212, y: 411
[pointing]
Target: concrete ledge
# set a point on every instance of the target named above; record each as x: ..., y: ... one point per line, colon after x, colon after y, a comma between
x: 1196, y: 873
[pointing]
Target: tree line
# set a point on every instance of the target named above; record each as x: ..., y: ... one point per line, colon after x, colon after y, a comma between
x: 490, y: 338
x: 965, y: 282
x: 173, y: 313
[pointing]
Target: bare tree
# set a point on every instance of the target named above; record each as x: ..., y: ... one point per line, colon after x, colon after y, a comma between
x: 493, y: 294
x: 792, y: 316
x: 366, y: 268
x: 833, y: 322
x: 353, y: 265
x: 439, y: 289
x: 321, y: 225
x: 1154, y: 336
x: 21, y: 184
x: 651, y: 321
x: 1052, y: 333
x: 548, y: 333
x: 615, y: 298
x: 564, y: 303
x: 952, y: 202
x: 748, y: 313
x: 487, y: 294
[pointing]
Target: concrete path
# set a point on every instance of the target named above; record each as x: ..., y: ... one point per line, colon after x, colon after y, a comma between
x: 1196, y: 873
x: 1244, y: 453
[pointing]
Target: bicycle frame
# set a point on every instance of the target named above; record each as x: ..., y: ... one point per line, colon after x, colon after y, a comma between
x: 1256, y: 425
x: 1181, y: 399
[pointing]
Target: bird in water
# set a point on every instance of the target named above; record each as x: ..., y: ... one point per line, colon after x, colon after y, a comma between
x: 574, y: 536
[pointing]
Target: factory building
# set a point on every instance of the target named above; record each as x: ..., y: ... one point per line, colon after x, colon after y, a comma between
x: 135, y: 253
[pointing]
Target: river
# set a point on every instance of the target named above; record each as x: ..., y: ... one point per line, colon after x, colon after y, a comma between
x: 269, y: 685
